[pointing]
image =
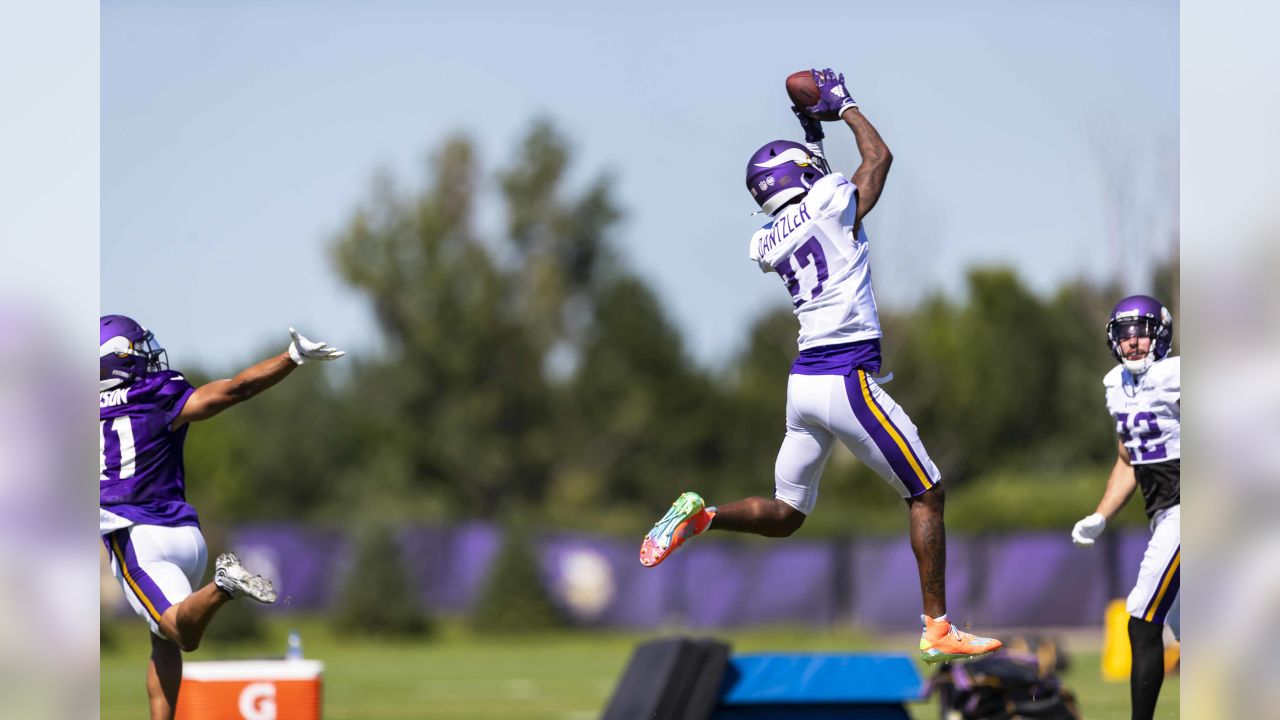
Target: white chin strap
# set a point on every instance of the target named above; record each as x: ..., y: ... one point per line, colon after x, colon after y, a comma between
x: 1137, y: 367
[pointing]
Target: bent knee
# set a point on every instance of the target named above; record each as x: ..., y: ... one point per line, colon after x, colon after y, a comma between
x: 169, y: 643
x: 1146, y: 636
x: 934, y: 498
x: 174, y: 638
x: 934, y: 495
x: 787, y: 521
x: 184, y: 645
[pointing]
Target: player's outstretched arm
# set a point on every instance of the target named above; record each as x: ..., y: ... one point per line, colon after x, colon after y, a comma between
x: 876, y: 159
x: 1120, y: 486
x: 214, y: 397
x: 834, y: 101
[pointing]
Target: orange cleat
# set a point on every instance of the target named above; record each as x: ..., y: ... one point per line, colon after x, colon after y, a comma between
x: 942, y: 642
x: 687, y: 517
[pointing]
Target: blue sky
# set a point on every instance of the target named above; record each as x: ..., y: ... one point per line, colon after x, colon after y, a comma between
x: 237, y: 137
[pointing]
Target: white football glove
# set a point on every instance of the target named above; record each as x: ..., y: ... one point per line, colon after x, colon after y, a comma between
x: 302, y: 349
x: 1088, y: 530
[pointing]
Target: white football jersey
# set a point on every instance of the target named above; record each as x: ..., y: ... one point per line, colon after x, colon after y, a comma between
x: 1147, y: 410
x: 827, y: 270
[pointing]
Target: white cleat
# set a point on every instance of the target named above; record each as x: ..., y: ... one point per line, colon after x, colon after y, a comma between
x: 230, y: 576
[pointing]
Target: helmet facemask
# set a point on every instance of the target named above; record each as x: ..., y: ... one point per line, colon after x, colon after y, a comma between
x: 157, y: 357
x: 1140, y: 316
x: 1119, y: 331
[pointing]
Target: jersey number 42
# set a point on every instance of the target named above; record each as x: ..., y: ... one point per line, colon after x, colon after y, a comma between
x: 1144, y: 426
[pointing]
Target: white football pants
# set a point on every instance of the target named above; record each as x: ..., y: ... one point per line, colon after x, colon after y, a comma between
x: 157, y: 567
x: 855, y: 410
x: 1155, y: 596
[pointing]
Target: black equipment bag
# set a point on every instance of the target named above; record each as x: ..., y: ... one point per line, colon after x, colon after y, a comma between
x: 1020, y: 681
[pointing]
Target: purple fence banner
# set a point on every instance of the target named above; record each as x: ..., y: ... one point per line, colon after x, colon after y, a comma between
x: 599, y: 582
x: 993, y: 581
x: 758, y: 582
x: 1128, y: 548
x: 449, y: 566
x: 304, y: 563
x: 1042, y: 580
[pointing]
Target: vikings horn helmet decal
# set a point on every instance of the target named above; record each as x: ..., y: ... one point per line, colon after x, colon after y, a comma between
x: 780, y: 171
x: 126, y: 352
x: 1140, y: 316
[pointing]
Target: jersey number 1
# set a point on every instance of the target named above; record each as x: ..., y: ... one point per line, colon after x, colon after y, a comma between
x: 124, y: 434
x: 810, y: 253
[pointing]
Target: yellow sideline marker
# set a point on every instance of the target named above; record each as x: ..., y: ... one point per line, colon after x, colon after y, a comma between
x: 1116, y: 657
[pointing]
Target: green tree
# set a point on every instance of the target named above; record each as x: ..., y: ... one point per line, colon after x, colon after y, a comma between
x: 272, y: 457
x: 1006, y: 379
x: 559, y: 245
x: 471, y: 324
x: 1082, y: 434
x: 754, y: 419
x: 531, y: 369
x: 639, y: 421
x: 514, y: 598
x: 378, y: 598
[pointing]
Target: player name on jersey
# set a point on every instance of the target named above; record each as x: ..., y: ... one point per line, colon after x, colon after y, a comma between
x: 785, y: 224
x: 824, y: 262
x: 112, y: 398
x: 141, y: 478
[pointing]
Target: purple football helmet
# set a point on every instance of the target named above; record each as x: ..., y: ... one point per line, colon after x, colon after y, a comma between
x: 1140, y: 316
x: 780, y: 171
x: 126, y: 352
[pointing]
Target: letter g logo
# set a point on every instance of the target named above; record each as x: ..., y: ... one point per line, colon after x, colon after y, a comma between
x: 258, y: 701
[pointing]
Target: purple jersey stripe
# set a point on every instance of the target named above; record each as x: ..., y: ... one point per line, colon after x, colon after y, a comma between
x: 147, y: 592
x: 1166, y: 590
x: 883, y: 434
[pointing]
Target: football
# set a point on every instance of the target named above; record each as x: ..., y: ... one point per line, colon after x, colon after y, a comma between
x: 802, y: 89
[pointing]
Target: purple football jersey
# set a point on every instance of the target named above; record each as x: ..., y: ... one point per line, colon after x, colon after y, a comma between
x: 141, y: 470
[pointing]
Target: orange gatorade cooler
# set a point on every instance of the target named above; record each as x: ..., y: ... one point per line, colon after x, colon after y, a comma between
x: 250, y: 690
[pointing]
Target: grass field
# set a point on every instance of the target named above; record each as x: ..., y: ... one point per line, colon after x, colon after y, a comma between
x: 563, y: 676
